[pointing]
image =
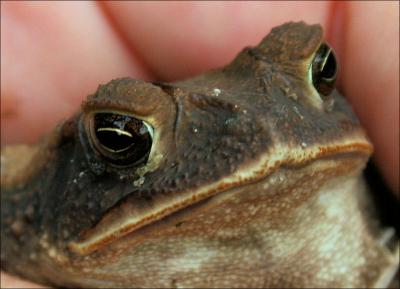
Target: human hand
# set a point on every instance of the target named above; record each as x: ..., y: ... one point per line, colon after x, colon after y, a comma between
x: 54, y: 54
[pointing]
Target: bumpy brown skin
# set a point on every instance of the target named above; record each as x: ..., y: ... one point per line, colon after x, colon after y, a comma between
x: 253, y: 181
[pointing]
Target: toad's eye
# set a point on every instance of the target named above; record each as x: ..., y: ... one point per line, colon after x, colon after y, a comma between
x: 324, y: 69
x: 121, y: 139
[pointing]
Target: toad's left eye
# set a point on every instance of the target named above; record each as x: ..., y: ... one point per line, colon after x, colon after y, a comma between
x: 121, y: 139
x: 324, y: 70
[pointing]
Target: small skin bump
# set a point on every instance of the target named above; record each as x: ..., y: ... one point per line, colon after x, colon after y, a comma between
x: 29, y: 212
x: 17, y: 227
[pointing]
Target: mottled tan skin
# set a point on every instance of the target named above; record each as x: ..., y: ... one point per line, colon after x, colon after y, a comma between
x: 253, y: 180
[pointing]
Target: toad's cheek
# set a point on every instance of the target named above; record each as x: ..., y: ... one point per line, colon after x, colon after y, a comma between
x: 131, y: 214
x: 286, y: 222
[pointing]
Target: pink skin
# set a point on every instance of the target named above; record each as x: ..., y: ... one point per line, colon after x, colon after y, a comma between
x: 54, y: 54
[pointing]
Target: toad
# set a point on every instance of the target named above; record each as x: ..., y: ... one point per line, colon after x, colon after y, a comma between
x: 245, y: 176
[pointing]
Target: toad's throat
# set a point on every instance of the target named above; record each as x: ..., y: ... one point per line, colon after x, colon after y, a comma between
x: 128, y: 217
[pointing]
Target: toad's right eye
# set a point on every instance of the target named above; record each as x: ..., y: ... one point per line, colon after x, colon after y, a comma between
x: 121, y: 139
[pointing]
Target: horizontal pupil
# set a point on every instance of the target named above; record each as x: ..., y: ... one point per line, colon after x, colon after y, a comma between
x: 329, y: 68
x: 324, y: 70
x: 114, y: 140
x: 121, y: 139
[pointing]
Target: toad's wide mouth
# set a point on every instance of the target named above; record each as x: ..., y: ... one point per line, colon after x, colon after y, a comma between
x: 128, y: 217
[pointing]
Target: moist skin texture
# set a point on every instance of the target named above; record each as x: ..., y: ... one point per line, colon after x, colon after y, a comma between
x: 253, y: 180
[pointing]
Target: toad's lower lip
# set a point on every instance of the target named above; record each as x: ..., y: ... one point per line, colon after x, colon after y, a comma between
x: 128, y: 217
